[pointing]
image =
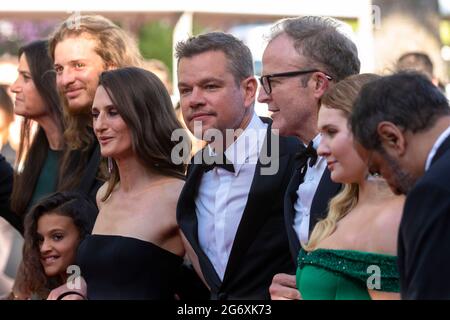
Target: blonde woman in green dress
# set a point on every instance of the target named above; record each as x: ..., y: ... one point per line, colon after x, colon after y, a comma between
x: 352, y: 252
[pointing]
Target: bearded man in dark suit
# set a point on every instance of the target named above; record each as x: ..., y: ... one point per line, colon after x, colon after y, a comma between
x: 402, y: 125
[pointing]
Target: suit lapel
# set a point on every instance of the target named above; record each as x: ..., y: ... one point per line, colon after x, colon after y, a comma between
x: 326, y: 190
x: 187, y: 220
x: 319, y: 206
x: 289, y: 213
x: 90, y: 173
x: 255, y: 213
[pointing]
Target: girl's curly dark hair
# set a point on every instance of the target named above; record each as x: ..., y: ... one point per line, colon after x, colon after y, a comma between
x: 71, y: 204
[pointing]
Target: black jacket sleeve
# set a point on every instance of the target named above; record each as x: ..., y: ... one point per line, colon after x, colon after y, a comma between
x: 425, y: 243
x: 6, y: 183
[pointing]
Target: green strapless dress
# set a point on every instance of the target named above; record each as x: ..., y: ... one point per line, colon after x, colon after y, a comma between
x: 326, y: 274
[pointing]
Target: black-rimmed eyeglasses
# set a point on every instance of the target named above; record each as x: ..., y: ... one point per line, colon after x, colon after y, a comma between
x: 265, y: 80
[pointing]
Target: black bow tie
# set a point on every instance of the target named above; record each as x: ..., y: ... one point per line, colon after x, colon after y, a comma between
x: 307, y: 153
x: 219, y: 162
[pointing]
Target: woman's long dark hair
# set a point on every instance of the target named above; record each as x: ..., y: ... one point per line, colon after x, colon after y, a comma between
x: 145, y: 106
x: 33, y: 151
x: 70, y: 204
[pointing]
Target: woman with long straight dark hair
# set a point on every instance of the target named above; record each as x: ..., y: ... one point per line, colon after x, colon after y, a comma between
x: 136, y: 237
x: 37, y: 101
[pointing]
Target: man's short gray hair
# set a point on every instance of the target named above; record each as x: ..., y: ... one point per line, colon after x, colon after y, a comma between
x: 321, y: 42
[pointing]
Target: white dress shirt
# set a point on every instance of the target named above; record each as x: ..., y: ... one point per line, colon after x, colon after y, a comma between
x: 436, y: 146
x: 305, y: 194
x: 222, y: 195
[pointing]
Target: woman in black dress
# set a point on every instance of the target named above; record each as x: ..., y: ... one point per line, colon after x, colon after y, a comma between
x: 135, y: 251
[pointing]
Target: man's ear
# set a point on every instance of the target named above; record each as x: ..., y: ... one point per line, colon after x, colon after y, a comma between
x: 249, y: 87
x: 392, y: 138
x: 321, y: 84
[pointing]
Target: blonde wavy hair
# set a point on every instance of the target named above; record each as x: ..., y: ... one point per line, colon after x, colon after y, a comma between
x: 117, y: 50
x: 341, y: 97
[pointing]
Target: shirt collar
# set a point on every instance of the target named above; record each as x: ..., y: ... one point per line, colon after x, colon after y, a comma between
x: 247, y: 146
x: 436, y: 146
x: 316, y: 142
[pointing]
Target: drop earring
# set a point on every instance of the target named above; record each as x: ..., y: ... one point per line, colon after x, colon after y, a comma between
x: 110, y: 165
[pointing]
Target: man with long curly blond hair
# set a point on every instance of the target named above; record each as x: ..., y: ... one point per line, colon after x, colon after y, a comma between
x: 82, y: 47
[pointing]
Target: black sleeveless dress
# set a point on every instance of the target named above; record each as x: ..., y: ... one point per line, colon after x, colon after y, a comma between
x: 124, y: 268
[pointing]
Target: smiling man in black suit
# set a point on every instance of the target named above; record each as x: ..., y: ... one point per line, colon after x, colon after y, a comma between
x: 231, y: 207
x: 402, y: 124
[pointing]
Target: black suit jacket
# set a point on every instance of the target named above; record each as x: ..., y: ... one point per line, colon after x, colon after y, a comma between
x: 424, y: 235
x: 260, y: 249
x: 326, y: 190
x: 90, y: 183
x: 6, y: 183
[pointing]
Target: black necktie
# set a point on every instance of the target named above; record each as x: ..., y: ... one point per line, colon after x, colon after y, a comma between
x: 219, y: 161
x: 307, y: 153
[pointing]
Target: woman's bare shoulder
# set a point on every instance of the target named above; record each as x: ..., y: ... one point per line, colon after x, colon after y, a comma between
x: 162, y: 196
x: 171, y: 188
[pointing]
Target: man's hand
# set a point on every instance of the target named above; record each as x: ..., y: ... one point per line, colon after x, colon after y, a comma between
x: 283, y: 287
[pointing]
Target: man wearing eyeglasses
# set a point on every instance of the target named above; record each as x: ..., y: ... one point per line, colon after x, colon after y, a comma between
x: 303, y: 58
